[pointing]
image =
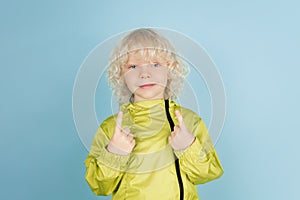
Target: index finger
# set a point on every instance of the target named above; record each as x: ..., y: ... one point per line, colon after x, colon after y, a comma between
x: 119, y: 120
x: 179, y: 116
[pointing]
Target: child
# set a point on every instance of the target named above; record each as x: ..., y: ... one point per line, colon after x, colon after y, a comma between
x: 153, y: 148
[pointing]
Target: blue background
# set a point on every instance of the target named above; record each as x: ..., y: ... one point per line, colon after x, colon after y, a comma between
x: 255, y: 45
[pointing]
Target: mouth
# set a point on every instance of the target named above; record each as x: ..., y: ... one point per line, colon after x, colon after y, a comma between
x: 147, y: 86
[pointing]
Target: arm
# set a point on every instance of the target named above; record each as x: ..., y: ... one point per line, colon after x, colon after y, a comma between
x: 103, y: 180
x: 104, y: 170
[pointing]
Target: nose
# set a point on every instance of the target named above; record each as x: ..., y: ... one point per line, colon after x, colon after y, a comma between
x: 144, y: 73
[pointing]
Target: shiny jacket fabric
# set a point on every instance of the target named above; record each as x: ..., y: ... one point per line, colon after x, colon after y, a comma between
x: 149, y: 171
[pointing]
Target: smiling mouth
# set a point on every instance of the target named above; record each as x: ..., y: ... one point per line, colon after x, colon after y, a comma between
x: 146, y: 86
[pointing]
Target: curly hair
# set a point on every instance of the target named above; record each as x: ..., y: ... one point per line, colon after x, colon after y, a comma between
x: 150, y: 44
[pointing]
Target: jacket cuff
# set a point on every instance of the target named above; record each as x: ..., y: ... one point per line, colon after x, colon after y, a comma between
x: 117, y: 162
x: 193, y: 149
x: 196, y: 152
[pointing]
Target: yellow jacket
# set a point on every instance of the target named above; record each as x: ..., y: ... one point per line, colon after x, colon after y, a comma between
x: 149, y: 171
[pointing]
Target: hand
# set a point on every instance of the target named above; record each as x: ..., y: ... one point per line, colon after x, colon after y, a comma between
x: 122, y: 141
x: 181, y: 137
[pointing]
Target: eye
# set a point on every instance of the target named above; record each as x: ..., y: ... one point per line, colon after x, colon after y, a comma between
x: 155, y: 65
x: 132, y: 66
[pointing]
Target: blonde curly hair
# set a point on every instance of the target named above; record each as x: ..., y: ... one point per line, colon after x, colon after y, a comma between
x: 150, y: 44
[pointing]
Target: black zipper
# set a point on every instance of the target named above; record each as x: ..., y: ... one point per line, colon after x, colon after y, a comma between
x: 177, y: 166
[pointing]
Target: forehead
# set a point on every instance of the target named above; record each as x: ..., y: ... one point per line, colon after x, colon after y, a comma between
x: 145, y: 56
x: 136, y: 58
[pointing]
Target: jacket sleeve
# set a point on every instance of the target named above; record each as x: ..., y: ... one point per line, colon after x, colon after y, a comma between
x: 199, y: 161
x: 104, y: 170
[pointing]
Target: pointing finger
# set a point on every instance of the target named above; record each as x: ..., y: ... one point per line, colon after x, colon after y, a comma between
x: 119, y: 120
x: 180, y: 120
x: 179, y: 116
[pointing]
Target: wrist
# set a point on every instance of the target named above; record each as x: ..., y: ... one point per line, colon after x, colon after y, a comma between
x: 115, y: 150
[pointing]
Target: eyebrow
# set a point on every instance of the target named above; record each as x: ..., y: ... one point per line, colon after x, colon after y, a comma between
x: 144, y: 63
x: 136, y: 63
x: 128, y: 64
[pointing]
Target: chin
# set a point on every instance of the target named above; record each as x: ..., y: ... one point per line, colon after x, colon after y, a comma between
x: 149, y: 97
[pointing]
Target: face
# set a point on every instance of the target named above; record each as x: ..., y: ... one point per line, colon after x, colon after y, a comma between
x: 146, y: 80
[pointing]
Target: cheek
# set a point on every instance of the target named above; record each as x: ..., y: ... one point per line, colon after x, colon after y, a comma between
x: 162, y: 78
x: 129, y: 79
